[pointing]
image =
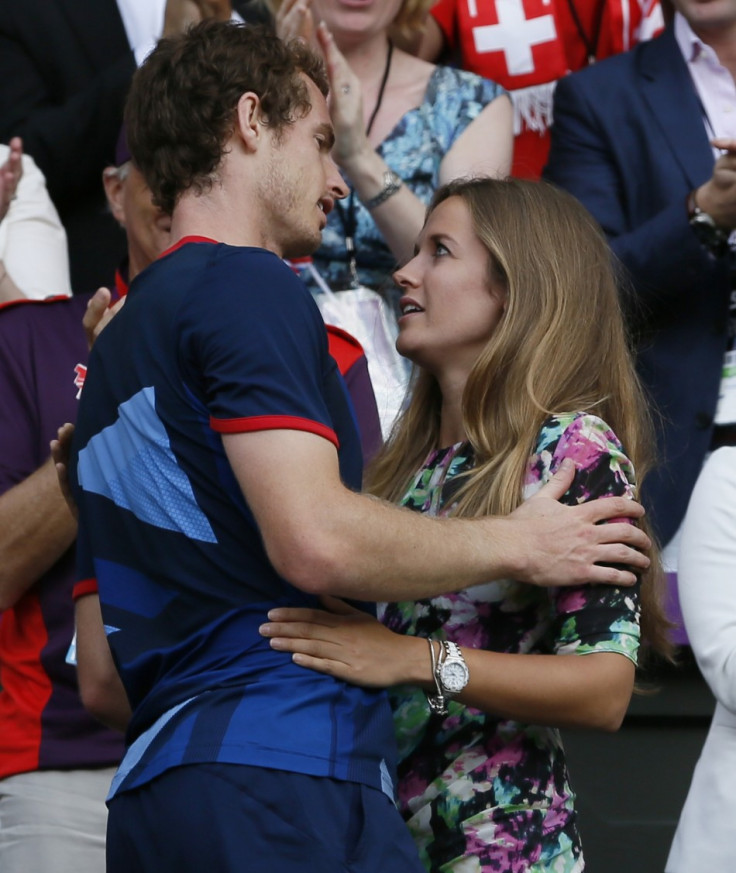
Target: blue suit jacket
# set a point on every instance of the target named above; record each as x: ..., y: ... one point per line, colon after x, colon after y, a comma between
x: 629, y: 142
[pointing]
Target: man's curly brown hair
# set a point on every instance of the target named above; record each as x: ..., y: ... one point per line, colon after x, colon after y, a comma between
x: 182, y: 103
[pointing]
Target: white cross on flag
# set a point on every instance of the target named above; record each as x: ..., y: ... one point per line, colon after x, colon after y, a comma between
x: 515, y: 35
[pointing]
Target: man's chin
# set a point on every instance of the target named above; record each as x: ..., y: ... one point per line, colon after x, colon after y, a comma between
x: 303, y: 247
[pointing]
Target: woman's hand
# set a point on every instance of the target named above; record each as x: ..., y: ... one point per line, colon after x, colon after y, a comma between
x: 347, y: 644
x: 294, y: 20
x: 345, y: 102
x: 10, y: 173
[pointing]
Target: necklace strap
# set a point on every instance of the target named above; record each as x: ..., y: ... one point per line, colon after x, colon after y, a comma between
x: 347, y: 216
x: 590, y: 42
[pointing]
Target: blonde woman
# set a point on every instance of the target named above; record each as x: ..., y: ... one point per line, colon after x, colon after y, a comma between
x: 511, y: 318
x: 403, y: 127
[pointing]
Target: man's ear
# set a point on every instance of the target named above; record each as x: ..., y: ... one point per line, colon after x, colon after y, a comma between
x: 248, y: 120
x: 114, y: 187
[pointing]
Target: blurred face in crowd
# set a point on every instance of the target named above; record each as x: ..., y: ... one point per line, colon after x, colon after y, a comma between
x: 708, y: 17
x: 146, y: 226
x: 355, y: 18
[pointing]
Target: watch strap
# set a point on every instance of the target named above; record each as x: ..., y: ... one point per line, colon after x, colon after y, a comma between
x: 437, y: 701
x: 391, y: 184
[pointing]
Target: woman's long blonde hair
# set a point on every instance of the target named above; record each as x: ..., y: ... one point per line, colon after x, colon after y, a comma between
x: 561, y: 346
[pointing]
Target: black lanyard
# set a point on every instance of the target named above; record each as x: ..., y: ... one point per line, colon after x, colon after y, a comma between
x: 591, y: 44
x: 347, y: 216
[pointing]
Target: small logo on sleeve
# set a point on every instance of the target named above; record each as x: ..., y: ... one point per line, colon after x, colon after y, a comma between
x: 80, y: 373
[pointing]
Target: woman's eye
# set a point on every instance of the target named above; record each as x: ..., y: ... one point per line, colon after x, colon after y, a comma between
x: 440, y: 249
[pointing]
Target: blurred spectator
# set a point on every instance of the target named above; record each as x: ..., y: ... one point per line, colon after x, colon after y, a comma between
x: 706, y: 837
x: 65, y: 67
x: 527, y: 46
x: 56, y: 762
x: 402, y: 128
x: 33, y: 256
x: 634, y: 138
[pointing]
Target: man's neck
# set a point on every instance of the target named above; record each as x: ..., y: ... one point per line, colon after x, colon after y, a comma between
x: 209, y: 216
x: 723, y: 42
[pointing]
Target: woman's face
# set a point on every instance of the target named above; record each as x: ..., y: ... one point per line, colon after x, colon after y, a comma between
x: 356, y: 18
x: 449, y: 309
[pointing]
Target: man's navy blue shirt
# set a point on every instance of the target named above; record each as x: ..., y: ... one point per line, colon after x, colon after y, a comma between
x: 213, y: 339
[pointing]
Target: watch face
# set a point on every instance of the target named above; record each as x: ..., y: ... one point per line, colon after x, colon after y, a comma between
x: 454, y: 676
x: 707, y: 231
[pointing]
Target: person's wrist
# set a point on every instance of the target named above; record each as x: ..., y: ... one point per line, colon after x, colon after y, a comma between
x: 507, y: 543
x: 391, y: 185
x: 416, y: 664
x: 706, y: 226
x: 365, y: 169
x: 706, y: 201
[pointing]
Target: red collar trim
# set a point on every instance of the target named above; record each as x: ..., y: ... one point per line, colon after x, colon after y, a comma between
x: 184, y: 240
x: 121, y: 286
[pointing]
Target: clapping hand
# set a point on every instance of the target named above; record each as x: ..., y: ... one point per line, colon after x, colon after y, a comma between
x: 10, y: 173
x: 181, y: 14
x: 294, y: 20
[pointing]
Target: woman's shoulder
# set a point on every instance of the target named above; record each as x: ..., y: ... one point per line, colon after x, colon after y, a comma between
x: 450, y: 82
x: 574, y: 428
x: 591, y: 444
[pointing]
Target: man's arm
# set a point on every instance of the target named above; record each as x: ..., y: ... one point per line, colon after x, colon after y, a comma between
x: 326, y: 539
x: 36, y: 528
x: 100, y: 686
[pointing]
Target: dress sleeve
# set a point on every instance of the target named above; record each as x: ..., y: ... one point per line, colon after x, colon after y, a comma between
x: 588, y: 618
x: 455, y: 98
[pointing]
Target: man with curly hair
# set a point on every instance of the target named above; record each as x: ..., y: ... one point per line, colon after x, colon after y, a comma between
x: 216, y: 465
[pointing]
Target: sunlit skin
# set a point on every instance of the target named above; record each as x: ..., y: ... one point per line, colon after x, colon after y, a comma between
x: 300, y: 162
x: 450, y: 307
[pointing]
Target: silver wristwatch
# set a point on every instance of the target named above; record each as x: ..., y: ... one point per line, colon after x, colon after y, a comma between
x: 452, y: 671
x: 391, y: 184
x: 450, y: 674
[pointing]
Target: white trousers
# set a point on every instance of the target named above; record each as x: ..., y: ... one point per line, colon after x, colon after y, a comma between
x: 54, y: 821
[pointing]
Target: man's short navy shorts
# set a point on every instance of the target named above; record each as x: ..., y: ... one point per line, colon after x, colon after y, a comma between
x: 223, y: 818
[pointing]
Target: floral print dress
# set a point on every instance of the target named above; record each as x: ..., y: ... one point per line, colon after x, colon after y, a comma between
x: 481, y: 793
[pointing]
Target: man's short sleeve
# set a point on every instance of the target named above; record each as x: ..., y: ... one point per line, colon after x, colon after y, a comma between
x: 253, y: 347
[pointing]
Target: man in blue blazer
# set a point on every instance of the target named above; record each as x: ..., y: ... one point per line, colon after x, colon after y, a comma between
x: 632, y: 140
